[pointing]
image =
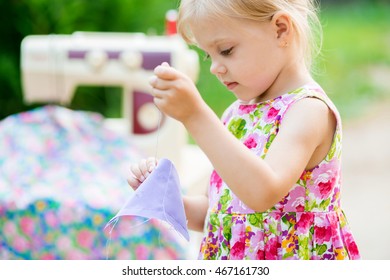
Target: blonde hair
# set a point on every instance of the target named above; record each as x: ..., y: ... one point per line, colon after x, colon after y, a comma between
x: 303, y: 14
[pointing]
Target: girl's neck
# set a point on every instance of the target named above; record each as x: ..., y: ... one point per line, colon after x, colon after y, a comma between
x: 293, y: 76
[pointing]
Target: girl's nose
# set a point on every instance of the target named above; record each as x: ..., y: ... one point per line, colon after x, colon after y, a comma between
x: 217, y: 68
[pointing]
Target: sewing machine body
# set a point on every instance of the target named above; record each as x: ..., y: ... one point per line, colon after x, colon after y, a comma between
x: 53, y: 66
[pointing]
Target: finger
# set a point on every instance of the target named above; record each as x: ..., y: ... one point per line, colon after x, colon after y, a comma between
x: 160, y: 103
x: 158, y: 93
x: 133, y: 182
x: 144, y: 168
x: 166, y: 72
x: 151, y: 163
x: 153, y: 80
x: 160, y: 84
x: 135, y: 169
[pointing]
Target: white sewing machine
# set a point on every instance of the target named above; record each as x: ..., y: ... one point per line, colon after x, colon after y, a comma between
x: 54, y: 65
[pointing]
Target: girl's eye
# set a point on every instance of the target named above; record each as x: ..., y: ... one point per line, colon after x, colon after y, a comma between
x: 226, y: 52
x: 206, y: 56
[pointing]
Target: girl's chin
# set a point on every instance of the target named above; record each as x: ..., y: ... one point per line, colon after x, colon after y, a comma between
x: 245, y: 98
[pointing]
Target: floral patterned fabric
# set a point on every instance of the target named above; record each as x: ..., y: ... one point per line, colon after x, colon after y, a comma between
x: 308, y: 223
x: 62, y: 178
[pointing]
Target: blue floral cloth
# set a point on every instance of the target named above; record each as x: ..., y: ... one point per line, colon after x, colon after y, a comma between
x: 62, y: 178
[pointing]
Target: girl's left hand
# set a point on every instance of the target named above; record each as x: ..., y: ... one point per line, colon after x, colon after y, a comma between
x: 175, y: 94
x: 140, y: 171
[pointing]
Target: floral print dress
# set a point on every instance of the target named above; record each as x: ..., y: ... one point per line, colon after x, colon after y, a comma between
x: 308, y: 223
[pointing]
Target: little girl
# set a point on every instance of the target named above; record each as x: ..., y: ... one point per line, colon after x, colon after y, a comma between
x: 275, y: 190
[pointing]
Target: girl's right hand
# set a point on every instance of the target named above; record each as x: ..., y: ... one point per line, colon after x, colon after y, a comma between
x: 175, y: 94
x: 140, y: 171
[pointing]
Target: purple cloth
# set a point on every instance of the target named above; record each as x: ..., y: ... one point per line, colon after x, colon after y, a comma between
x: 158, y: 197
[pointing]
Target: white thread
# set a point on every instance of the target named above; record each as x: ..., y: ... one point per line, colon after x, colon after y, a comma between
x: 113, y: 223
x: 158, y: 131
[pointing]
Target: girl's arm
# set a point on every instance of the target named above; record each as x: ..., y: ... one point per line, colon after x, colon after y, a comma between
x: 258, y: 183
x: 262, y: 183
x: 196, y: 209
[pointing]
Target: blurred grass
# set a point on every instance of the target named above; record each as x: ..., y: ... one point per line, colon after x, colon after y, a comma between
x: 356, y: 48
x: 356, y: 56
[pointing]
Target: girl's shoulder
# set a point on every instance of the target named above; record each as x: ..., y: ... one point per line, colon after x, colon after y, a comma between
x: 314, y: 91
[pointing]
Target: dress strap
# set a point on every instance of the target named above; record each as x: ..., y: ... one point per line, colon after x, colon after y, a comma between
x: 314, y: 91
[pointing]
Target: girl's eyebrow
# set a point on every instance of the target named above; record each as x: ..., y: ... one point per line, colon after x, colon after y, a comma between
x: 210, y: 45
x: 217, y: 41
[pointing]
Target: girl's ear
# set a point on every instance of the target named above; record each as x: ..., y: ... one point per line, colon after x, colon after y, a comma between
x: 283, y: 28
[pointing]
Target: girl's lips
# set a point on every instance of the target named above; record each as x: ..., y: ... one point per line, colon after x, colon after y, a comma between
x: 231, y: 85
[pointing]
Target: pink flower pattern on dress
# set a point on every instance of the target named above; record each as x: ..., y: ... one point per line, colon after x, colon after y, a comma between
x: 308, y: 223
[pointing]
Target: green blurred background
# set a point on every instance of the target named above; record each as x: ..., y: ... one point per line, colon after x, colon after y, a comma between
x: 354, y: 67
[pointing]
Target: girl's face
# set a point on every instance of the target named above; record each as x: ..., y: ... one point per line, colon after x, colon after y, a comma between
x: 247, y: 56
